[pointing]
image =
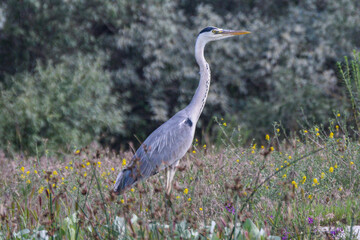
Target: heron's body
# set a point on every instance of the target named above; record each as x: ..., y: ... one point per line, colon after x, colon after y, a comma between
x: 168, y: 143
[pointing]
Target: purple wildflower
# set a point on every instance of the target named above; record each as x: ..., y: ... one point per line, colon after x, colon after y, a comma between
x: 310, y: 220
x: 286, y: 235
x: 230, y: 209
x: 336, y: 231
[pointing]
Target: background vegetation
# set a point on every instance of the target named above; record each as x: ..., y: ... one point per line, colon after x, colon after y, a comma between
x: 284, y: 71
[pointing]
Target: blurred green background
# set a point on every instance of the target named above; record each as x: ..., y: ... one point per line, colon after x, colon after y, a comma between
x: 75, y: 71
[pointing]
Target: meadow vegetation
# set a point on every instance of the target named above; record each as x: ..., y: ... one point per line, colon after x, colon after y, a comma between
x: 289, y: 187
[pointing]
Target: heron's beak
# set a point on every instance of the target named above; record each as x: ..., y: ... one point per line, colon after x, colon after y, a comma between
x: 232, y: 32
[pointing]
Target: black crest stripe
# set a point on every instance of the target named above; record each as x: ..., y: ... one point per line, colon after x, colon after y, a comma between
x: 207, y: 29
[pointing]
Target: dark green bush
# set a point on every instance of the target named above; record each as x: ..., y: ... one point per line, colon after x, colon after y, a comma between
x: 60, y: 106
x: 285, y: 68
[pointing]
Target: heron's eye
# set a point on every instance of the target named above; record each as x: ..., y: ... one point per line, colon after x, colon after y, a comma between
x: 213, y: 31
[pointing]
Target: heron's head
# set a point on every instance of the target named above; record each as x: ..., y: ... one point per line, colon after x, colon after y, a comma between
x: 213, y: 33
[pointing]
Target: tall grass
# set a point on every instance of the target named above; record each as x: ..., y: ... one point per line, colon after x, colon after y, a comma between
x: 289, y: 188
x: 350, y: 74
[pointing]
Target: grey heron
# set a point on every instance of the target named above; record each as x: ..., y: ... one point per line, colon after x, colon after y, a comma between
x: 168, y: 143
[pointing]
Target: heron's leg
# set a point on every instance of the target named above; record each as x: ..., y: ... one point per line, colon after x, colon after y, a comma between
x: 170, y: 176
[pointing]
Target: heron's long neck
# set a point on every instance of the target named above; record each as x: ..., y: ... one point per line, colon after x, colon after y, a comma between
x: 197, y: 103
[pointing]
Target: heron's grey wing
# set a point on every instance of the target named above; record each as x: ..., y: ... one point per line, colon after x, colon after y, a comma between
x: 164, y: 146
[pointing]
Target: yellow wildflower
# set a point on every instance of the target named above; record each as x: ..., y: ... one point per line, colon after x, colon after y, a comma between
x: 271, y: 148
x: 335, y: 166
x: 340, y: 189
x: 331, y: 169
x: 36, y: 172
x: 338, y: 115
x: 337, y: 127
x: 70, y: 162
x: 177, y: 197
x: 22, y: 176
x: 77, y: 151
x: 254, y: 146
x: 186, y: 191
x: 278, y: 130
x: 112, y: 169
x: 284, y: 176
x: 322, y: 175
x: 316, y: 129
x: 351, y: 163
x: 310, y: 197
x: 27, y: 172
x: 122, y: 201
x: 237, y: 160
x: 331, y: 135
x: 41, y: 189
x: 317, y: 134
x: 224, y: 124
x: 204, y: 146
x: 305, y: 131
x: 252, y: 151
x: 267, y: 137
x: 74, y: 188
x: 88, y: 163
x: 22, y: 169
x: 277, y: 169
x: 85, y: 174
x: 303, y: 180
x: 315, y: 181
x: 66, y: 167
x: 132, y: 190
x: 99, y: 163
x: 55, y: 172
x: 189, y: 199
x: 290, y: 157
x: 200, y: 209
x: 295, y: 184
x: 28, y: 181
x: 262, y: 147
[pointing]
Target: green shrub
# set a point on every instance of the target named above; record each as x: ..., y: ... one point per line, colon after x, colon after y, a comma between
x: 287, y: 64
x: 60, y: 106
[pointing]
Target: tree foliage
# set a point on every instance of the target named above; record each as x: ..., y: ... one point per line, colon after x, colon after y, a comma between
x: 284, y: 69
x: 60, y: 106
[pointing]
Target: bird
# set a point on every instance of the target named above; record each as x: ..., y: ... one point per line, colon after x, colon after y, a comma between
x: 165, y: 146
